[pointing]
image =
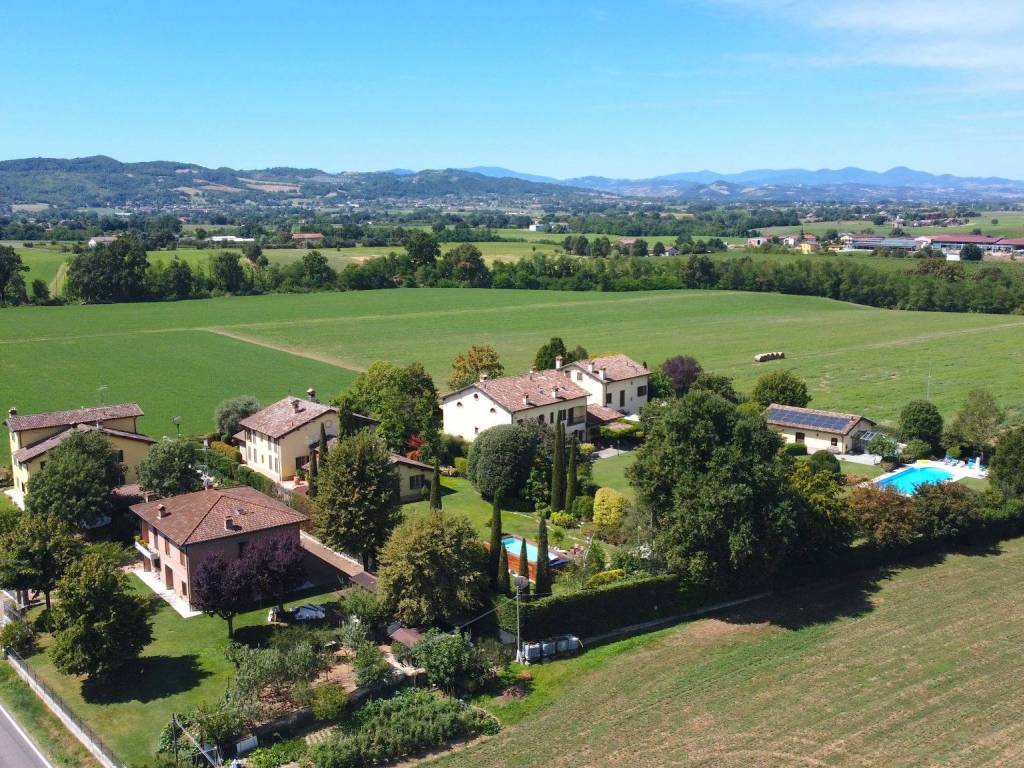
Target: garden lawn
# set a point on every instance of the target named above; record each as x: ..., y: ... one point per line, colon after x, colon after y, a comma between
x: 182, y: 667
x: 611, y: 473
x: 914, y: 666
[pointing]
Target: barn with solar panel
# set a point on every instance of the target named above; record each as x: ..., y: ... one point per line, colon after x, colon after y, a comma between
x: 820, y: 430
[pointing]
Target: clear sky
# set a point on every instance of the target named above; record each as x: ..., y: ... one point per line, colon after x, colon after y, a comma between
x: 627, y: 89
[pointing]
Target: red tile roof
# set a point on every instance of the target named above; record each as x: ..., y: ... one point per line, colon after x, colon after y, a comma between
x: 285, y: 416
x: 40, y: 447
x: 307, y: 236
x: 618, y: 367
x: 539, y: 388
x: 977, y: 239
x: 601, y: 414
x: 197, y: 517
x: 1012, y: 241
x: 100, y: 413
x: 397, y: 458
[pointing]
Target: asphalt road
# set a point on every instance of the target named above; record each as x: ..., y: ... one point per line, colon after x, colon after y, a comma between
x: 16, y: 751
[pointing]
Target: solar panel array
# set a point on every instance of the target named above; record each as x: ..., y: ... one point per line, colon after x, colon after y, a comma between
x: 817, y: 421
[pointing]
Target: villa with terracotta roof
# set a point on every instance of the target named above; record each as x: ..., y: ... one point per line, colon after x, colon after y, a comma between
x: 33, y: 436
x: 820, y: 430
x: 177, y: 533
x: 548, y: 397
x: 277, y: 440
x: 613, y: 381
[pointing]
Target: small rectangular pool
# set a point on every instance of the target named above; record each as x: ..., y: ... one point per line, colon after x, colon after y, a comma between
x: 513, y: 544
x: 906, y: 481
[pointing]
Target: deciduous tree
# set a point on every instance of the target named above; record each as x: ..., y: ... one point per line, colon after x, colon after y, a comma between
x: 977, y: 424
x: 275, y: 568
x: 222, y: 588
x: 468, y: 367
x: 230, y: 412
x: 36, y: 553
x: 500, y: 459
x: 76, y: 482
x: 171, y: 468
x: 883, y: 516
x: 682, y: 371
x: 1007, y: 465
x: 921, y: 420
x: 782, y: 387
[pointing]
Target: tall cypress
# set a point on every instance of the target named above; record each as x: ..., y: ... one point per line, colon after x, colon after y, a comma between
x: 314, y: 470
x: 572, y: 481
x: 504, y: 584
x: 496, y: 546
x: 542, y: 579
x: 323, y: 443
x: 558, y: 471
x: 435, y: 488
x: 524, y: 565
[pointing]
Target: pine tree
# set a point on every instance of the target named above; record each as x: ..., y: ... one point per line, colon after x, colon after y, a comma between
x: 572, y: 481
x: 496, y: 546
x: 504, y: 583
x: 558, y: 471
x: 542, y: 577
x: 435, y: 488
x: 314, y: 470
x: 524, y: 566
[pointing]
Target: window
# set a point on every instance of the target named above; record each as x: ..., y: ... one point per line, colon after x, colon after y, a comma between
x: 551, y: 418
x: 800, y: 437
x: 561, y: 415
x: 579, y: 375
x: 416, y: 482
x: 167, y: 546
x: 42, y: 464
x: 476, y: 396
x: 835, y: 441
x: 641, y: 391
x: 458, y: 404
x: 184, y: 589
x: 622, y: 397
x: 608, y: 398
x: 120, y: 457
x: 540, y: 418
x: 181, y: 556
x: 494, y: 410
x: 476, y: 430
x: 241, y: 548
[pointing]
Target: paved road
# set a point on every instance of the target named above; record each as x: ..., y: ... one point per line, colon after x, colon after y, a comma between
x: 16, y: 751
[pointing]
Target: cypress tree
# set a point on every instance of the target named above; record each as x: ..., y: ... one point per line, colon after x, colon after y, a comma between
x: 314, y: 470
x: 524, y: 566
x: 496, y: 546
x: 323, y: 443
x: 558, y: 471
x: 435, y: 488
x: 504, y: 583
x: 542, y: 580
x: 572, y: 481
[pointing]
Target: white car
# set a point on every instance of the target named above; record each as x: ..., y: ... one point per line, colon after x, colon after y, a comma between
x: 309, y: 613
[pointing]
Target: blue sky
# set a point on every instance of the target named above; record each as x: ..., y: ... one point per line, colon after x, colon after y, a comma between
x: 561, y: 88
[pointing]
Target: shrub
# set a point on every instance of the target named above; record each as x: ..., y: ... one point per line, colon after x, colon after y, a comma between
x: 587, y: 450
x: 917, y: 449
x: 461, y: 465
x: 823, y: 461
x: 227, y: 451
x: 583, y: 507
x: 563, y: 519
x: 795, y: 449
x: 448, y: 659
x: 500, y: 459
x: 921, y: 420
x: 947, y: 512
x: 282, y: 753
x: 605, y: 577
x: 602, y: 609
x: 609, y: 508
x: 19, y: 637
x: 329, y: 701
x: 371, y: 668
x: 365, y: 606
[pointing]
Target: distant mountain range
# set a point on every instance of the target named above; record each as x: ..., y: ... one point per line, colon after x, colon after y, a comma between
x: 102, y: 181
x: 790, y: 184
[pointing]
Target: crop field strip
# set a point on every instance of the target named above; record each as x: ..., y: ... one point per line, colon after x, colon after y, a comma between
x: 181, y: 358
x: 915, y: 667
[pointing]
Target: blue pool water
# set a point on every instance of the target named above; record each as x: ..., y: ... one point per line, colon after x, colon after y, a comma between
x: 512, y: 546
x: 906, y: 481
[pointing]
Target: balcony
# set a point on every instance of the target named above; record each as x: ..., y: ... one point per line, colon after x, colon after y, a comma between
x: 146, y: 551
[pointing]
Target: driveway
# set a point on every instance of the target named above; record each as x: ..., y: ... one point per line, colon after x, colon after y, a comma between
x: 16, y: 751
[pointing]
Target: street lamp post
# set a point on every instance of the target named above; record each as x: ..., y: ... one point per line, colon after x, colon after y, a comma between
x: 177, y: 425
x: 520, y: 582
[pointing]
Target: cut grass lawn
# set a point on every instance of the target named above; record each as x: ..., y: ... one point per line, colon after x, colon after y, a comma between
x: 42, y: 726
x: 183, y: 666
x: 908, y: 667
x: 181, y: 358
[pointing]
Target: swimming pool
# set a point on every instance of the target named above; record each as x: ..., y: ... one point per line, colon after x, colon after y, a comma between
x: 513, y: 544
x: 907, y: 480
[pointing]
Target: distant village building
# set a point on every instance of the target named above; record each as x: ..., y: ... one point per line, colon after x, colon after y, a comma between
x: 757, y: 242
x: 307, y: 239
x: 230, y: 239
x: 101, y: 240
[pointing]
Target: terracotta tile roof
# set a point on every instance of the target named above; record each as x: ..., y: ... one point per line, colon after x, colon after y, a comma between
x: 539, y: 388
x: 618, y: 367
x: 831, y: 422
x: 197, y: 517
x: 285, y: 416
x: 71, y: 418
x: 978, y: 239
x: 40, y: 447
x: 1012, y: 241
x: 397, y: 458
x: 600, y: 414
x: 307, y: 236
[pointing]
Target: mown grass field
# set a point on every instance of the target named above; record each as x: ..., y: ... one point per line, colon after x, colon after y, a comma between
x: 183, y: 666
x: 910, y: 667
x: 1011, y: 224
x: 182, y: 358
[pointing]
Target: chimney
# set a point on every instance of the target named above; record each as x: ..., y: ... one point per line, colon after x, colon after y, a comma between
x: 311, y: 394
x: 558, y: 362
x: 526, y: 399
x: 161, y: 511
x: 483, y: 377
x: 590, y: 367
x: 12, y: 411
x: 604, y: 374
x: 295, y: 405
x: 229, y: 523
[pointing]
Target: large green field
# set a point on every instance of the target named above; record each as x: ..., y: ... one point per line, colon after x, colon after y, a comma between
x: 182, y: 358
x: 1010, y: 224
x: 909, y: 667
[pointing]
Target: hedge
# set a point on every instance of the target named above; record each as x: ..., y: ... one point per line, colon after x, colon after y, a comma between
x: 591, y: 612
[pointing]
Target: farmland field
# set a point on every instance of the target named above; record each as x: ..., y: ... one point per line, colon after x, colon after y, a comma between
x: 915, y: 666
x: 181, y: 358
x: 1011, y: 224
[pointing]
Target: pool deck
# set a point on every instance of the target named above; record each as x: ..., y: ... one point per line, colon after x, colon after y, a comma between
x: 958, y: 473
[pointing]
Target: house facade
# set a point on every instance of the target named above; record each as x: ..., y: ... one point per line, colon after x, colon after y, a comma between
x: 613, y: 381
x: 547, y: 397
x: 277, y: 440
x: 33, y: 436
x: 820, y: 430
x: 413, y: 478
x: 178, y: 533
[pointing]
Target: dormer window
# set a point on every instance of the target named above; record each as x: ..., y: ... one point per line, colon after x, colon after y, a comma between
x: 494, y: 410
x: 458, y: 404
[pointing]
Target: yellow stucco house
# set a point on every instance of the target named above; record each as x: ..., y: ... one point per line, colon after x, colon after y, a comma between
x: 277, y: 440
x: 33, y: 436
